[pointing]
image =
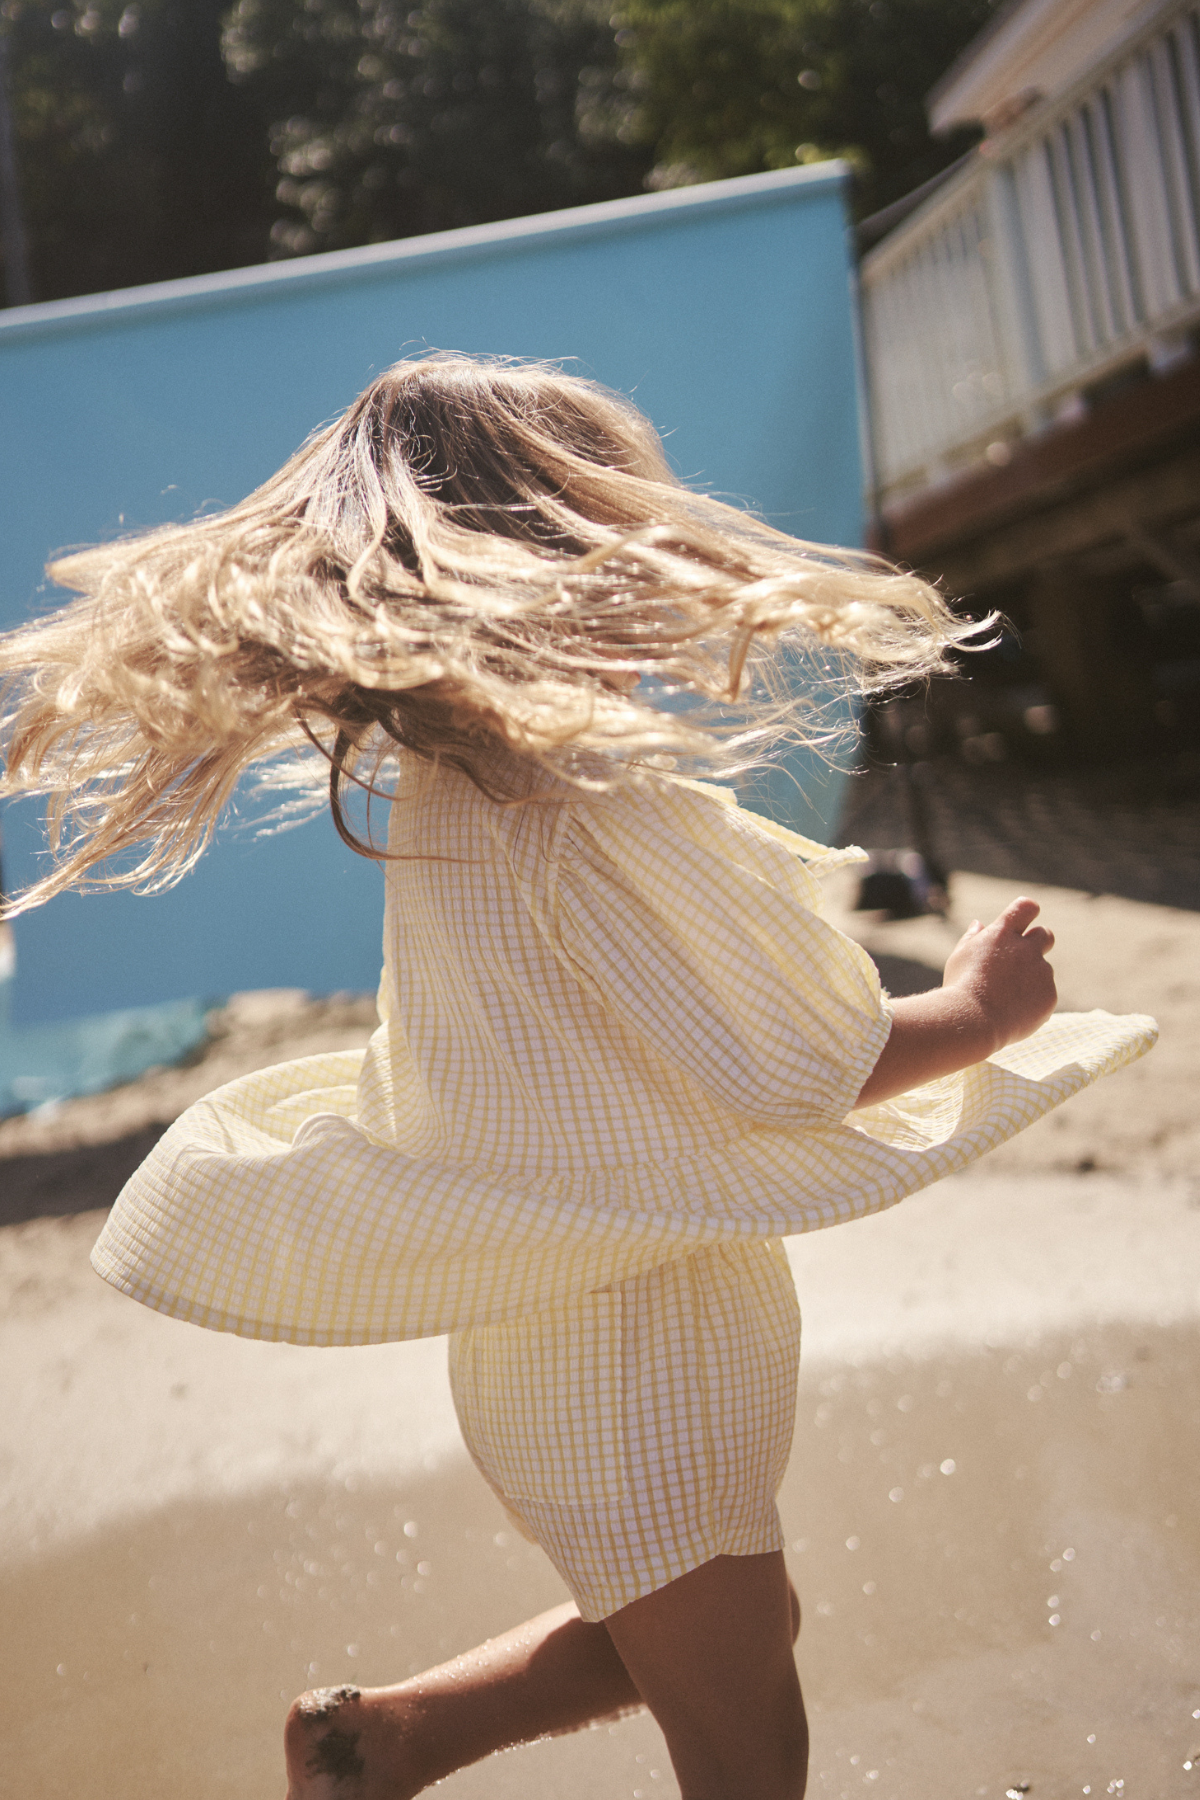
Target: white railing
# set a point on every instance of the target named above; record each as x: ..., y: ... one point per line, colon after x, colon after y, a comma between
x: 1066, y: 249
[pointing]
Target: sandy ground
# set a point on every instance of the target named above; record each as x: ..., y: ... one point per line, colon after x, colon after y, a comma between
x: 993, y: 1505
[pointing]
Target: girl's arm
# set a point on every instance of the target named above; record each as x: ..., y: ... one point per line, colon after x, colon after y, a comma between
x: 997, y: 988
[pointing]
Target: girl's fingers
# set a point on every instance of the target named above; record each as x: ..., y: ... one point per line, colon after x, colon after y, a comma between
x: 1019, y: 913
x: 1016, y: 921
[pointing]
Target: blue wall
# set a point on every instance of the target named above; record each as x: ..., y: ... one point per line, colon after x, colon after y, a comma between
x: 723, y: 310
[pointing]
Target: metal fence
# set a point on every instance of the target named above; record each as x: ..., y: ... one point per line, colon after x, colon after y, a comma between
x: 1067, y: 248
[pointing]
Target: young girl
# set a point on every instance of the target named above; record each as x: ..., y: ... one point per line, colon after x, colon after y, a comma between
x: 621, y: 1053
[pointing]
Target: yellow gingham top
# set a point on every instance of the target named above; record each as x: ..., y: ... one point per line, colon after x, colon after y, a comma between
x: 616, y: 1029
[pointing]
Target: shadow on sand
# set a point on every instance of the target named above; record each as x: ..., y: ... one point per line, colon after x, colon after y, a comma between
x: 1131, y: 830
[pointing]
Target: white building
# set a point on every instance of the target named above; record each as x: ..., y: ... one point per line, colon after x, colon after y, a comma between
x: 1030, y: 330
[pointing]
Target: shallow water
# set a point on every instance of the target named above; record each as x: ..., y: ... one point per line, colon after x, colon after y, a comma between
x: 995, y: 1536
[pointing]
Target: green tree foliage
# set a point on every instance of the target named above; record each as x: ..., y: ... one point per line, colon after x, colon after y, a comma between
x: 730, y: 87
x: 138, y: 159
x: 171, y: 137
x: 394, y: 120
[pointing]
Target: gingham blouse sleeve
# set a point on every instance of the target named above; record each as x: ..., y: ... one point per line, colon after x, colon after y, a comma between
x: 704, y: 936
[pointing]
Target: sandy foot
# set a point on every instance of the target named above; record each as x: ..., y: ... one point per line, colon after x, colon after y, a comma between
x: 346, y: 1744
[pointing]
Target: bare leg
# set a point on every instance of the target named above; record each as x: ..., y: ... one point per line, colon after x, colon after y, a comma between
x: 554, y: 1674
x: 711, y: 1654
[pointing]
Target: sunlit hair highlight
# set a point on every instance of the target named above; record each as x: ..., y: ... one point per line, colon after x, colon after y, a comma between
x: 478, y: 560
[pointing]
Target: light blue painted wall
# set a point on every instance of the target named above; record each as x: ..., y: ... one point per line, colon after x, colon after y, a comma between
x: 723, y: 310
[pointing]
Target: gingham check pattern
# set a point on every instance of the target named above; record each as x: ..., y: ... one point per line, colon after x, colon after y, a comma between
x: 639, y: 1431
x: 616, y: 1031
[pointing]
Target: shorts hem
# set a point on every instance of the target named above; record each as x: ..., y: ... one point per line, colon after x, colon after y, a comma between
x: 600, y: 1600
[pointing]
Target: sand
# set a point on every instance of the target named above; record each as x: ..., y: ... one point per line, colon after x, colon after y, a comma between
x: 1121, y: 955
x: 992, y: 1508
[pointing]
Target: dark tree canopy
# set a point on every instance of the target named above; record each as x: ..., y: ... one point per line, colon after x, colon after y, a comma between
x: 138, y: 159
x: 731, y: 87
x: 394, y: 120
x: 173, y: 137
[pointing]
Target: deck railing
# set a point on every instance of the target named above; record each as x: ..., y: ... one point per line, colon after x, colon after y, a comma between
x: 1065, y: 251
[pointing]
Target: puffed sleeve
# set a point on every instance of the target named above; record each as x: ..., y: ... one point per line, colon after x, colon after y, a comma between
x: 702, y: 933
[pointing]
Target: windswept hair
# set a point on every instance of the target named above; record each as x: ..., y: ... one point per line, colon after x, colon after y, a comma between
x: 475, y: 561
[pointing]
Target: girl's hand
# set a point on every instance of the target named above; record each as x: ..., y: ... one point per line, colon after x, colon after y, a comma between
x: 997, y: 988
x: 1003, y: 968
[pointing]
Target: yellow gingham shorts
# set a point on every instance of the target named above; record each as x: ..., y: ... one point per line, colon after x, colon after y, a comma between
x: 640, y: 1431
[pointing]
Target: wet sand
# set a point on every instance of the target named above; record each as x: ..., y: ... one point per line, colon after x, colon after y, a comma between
x: 992, y: 1508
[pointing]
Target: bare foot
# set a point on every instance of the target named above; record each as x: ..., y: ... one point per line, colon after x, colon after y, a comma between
x: 552, y: 1674
x: 350, y: 1743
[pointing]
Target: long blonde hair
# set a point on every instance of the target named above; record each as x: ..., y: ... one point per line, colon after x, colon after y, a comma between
x: 481, y: 556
